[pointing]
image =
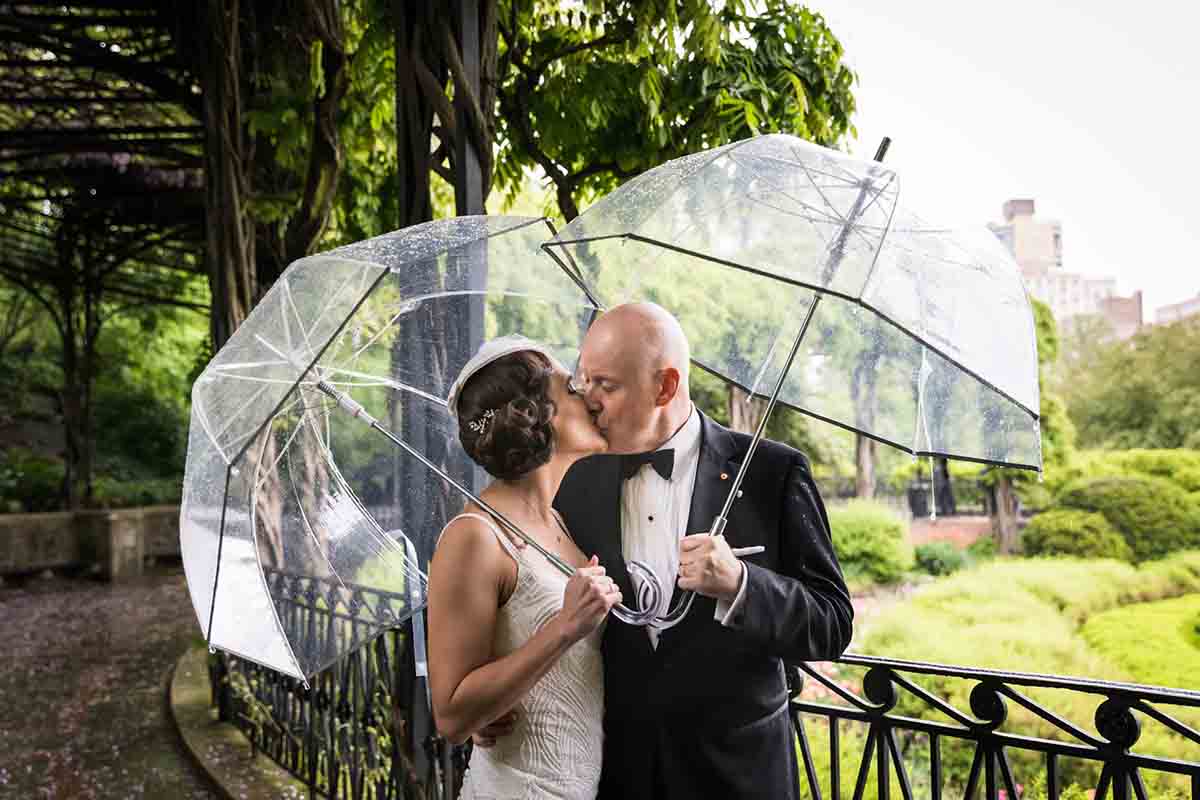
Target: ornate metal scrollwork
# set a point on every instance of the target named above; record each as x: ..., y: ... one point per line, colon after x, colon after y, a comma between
x: 1116, y: 723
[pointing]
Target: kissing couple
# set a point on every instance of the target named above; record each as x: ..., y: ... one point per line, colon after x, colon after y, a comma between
x: 612, y: 465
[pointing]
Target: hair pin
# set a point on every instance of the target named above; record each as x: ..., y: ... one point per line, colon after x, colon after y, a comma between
x: 480, y: 423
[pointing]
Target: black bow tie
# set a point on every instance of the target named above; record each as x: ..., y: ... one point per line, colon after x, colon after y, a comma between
x: 663, y: 462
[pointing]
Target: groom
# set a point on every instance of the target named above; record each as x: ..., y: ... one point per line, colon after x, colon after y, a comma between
x: 698, y: 710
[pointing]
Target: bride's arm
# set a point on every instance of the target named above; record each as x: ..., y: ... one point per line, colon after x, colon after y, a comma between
x: 466, y: 583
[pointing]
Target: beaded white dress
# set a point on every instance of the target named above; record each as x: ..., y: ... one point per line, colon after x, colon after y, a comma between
x: 555, y: 749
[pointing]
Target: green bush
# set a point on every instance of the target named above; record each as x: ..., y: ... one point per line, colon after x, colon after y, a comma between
x: 1181, y: 467
x: 939, y: 558
x: 31, y: 483
x: 982, y: 549
x: 1067, y: 532
x: 1155, y: 517
x: 871, y: 542
x: 113, y: 493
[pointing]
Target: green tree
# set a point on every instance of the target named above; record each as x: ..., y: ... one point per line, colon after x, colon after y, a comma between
x: 593, y: 95
x: 1143, y: 392
x: 1058, y: 439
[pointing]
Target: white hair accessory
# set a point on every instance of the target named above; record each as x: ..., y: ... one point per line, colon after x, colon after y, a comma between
x: 488, y: 352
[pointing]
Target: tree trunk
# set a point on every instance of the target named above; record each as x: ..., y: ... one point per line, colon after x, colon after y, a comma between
x: 864, y: 466
x: 862, y: 392
x: 943, y: 489
x: 229, y: 233
x: 1004, y: 516
x: 414, y: 108
x: 325, y: 154
x: 745, y: 412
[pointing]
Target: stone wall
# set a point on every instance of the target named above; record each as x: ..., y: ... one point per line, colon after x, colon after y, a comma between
x: 114, y: 543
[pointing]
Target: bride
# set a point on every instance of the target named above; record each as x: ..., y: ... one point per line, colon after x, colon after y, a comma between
x: 509, y: 634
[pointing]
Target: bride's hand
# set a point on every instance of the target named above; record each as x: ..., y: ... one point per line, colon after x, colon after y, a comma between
x: 586, y: 601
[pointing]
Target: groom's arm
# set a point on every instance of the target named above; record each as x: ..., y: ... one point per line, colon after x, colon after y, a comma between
x: 801, y: 611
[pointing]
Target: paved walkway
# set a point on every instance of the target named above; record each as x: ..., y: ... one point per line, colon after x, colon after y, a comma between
x: 83, y: 708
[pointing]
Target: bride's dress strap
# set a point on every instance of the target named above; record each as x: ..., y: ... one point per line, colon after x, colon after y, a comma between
x: 486, y: 520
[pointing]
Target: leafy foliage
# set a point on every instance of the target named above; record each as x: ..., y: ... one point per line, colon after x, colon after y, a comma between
x: 595, y: 94
x: 1069, y: 532
x: 1155, y: 517
x: 1143, y: 392
x: 1178, y: 466
x: 939, y: 558
x: 871, y: 542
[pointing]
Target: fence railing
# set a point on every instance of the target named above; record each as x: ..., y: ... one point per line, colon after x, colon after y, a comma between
x: 901, y: 735
x: 362, y: 728
x: 878, y: 728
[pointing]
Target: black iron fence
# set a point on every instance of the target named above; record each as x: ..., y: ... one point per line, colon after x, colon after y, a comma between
x: 867, y: 727
x: 362, y: 728
x: 901, y: 735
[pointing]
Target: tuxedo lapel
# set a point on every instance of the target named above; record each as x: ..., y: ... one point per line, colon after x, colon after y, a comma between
x: 604, y: 524
x: 714, y: 476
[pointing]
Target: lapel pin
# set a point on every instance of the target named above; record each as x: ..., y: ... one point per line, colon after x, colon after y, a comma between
x: 724, y: 476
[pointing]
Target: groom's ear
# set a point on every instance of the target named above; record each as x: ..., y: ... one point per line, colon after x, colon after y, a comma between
x: 667, y: 387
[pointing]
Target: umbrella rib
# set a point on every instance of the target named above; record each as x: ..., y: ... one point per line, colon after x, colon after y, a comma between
x: 380, y: 381
x: 835, y: 293
x: 234, y: 416
x: 204, y: 423
x: 221, y: 369
x: 304, y: 517
x: 261, y: 478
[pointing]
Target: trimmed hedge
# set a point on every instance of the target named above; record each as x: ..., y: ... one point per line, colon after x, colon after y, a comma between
x: 1155, y: 517
x: 1068, y: 532
x: 871, y: 542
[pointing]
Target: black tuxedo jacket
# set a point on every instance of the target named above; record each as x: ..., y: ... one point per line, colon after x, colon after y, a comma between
x: 705, y: 714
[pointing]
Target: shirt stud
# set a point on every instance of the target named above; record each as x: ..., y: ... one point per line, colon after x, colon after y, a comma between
x: 650, y: 517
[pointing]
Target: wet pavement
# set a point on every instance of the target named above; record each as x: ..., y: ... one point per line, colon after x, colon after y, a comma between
x: 83, y: 669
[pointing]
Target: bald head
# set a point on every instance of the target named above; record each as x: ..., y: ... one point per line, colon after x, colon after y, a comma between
x: 635, y: 363
x: 648, y: 335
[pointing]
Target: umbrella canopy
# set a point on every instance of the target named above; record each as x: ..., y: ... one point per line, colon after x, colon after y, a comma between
x: 911, y: 333
x: 290, y: 498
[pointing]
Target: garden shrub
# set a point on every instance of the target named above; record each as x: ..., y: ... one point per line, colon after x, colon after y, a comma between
x: 32, y: 483
x: 1181, y: 467
x: 871, y: 542
x: 1068, y: 532
x: 110, y: 492
x: 982, y: 549
x: 1155, y: 517
x: 939, y: 558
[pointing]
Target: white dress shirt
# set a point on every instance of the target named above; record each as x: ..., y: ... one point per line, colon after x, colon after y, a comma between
x: 654, y: 517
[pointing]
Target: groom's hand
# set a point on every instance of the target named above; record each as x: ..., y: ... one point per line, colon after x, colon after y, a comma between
x: 707, y: 566
x: 496, y: 729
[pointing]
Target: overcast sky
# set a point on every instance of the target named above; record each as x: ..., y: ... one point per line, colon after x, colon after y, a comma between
x: 1090, y: 108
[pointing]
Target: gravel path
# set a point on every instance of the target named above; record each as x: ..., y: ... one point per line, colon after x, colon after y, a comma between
x: 83, y: 709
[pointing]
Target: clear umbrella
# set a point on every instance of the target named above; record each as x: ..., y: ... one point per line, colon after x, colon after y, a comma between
x: 322, y: 459
x: 799, y: 275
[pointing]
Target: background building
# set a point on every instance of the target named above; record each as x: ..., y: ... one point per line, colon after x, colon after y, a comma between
x: 1037, y: 247
x: 1177, y: 311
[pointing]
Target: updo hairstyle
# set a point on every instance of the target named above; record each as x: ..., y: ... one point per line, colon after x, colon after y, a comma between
x: 516, y: 438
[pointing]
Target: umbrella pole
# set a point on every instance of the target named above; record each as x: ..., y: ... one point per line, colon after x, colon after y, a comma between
x: 621, y: 611
x: 835, y: 257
